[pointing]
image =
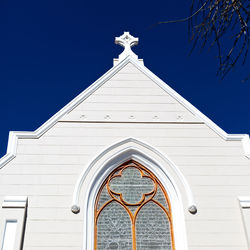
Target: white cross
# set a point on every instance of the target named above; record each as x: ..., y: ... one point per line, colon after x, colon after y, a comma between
x: 127, y: 41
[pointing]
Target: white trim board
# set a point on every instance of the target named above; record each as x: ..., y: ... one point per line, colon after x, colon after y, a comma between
x: 15, y: 135
x: 14, y: 210
x: 245, y: 214
x: 244, y: 201
x: 15, y: 202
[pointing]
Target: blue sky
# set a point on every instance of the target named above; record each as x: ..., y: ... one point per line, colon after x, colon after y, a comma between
x: 50, y: 51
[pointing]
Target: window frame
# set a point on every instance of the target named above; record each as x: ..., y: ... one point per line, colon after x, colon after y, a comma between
x: 157, y: 184
x: 14, y: 208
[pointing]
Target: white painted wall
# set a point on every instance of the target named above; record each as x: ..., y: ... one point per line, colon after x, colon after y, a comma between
x: 129, y: 105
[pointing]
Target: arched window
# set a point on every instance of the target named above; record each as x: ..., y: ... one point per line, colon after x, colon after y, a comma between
x: 132, y: 211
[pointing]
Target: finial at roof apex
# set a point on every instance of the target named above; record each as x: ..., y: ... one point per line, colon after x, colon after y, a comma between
x: 127, y: 41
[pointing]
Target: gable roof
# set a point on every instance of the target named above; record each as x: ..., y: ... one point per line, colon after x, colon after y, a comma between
x: 15, y: 135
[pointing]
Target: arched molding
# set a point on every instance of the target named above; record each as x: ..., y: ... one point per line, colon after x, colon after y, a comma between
x: 127, y: 149
x: 103, y: 164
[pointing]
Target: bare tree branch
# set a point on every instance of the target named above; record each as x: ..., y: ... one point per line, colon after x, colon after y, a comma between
x: 214, y: 22
x: 186, y: 18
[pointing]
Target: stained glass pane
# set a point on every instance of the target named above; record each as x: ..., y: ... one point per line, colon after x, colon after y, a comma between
x: 160, y: 197
x: 152, y: 228
x: 131, y: 185
x: 133, y: 208
x: 104, y: 197
x: 137, y: 215
x: 114, y: 228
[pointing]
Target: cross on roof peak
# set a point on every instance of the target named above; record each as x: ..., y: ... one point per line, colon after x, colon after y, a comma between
x: 127, y: 41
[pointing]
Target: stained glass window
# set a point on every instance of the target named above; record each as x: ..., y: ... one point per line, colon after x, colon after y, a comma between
x: 132, y: 211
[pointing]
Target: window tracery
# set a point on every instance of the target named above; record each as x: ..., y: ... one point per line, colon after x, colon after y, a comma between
x: 132, y: 211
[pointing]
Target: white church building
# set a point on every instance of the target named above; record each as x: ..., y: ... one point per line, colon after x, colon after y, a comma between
x: 128, y: 164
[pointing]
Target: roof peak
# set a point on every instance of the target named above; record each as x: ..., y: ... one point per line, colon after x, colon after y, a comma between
x: 127, y: 41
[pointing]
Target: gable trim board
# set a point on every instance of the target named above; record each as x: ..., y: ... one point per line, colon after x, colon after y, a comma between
x: 15, y: 135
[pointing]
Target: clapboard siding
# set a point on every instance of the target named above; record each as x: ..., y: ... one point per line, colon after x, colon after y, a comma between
x: 53, y: 214
x: 122, y: 116
x: 33, y: 179
x: 129, y: 83
x: 128, y: 76
x: 49, y: 226
x: 130, y: 99
x: 121, y: 99
x: 136, y: 130
x: 160, y: 141
x: 220, y: 215
x: 221, y: 190
x: 219, y: 247
x: 54, y: 248
x: 38, y: 189
x: 129, y: 68
x: 135, y: 107
x: 49, y: 169
x: 79, y: 150
x: 54, y: 240
x: 152, y: 91
x: 226, y: 239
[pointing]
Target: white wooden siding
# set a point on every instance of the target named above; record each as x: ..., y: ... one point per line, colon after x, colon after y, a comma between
x: 130, y: 96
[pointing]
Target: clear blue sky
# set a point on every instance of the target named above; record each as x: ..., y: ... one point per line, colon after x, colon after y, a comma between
x: 50, y: 51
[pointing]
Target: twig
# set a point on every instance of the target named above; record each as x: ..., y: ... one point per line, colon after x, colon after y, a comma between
x: 186, y: 18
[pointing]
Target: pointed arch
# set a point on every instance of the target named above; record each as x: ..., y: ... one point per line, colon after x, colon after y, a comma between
x: 145, y: 202
x: 127, y: 149
x: 95, y: 173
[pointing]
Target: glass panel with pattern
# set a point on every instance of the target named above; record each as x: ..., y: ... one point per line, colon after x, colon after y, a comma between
x: 132, y: 211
